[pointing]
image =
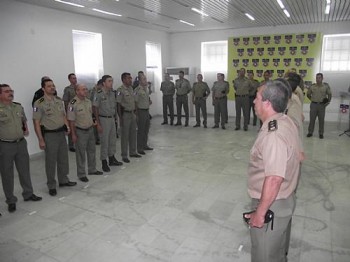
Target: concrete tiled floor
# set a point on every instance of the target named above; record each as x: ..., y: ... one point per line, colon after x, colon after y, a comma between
x: 181, y: 202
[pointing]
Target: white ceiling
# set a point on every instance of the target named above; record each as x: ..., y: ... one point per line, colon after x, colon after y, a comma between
x: 222, y: 14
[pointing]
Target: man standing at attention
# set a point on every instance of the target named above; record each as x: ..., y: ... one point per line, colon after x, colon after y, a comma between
x: 200, y: 94
x: 219, y: 94
x: 105, y: 108
x: 320, y: 95
x: 252, y: 94
x: 79, y: 114
x: 242, y: 86
x: 168, y: 89
x: 51, y: 127
x: 272, y: 173
x: 183, y: 87
x: 68, y: 94
x: 13, y: 148
x: 126, y: 112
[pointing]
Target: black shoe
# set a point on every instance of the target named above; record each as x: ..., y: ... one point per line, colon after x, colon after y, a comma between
x: 178, y: 124
x: 105, y: 166
x: 205, y: 126
x: 33, y: 198
x: 126, y: 160
x: 84, y: 179
x: 72, y: 149
x: 12, y: 208
x: 223, y: 127
x: 164, y: 123
x: 237, y: 128
x: 141, y: 152
x: 135, y: 155
x: 309, y: 135
x: 69, y: 183
x: 196, y: 125
x: 98, y: 143
x: 321, y: 136
x: 245, y: 129
x: 97, y: 173
x: 52, y: 192
x: 216, y: 126
x: 148, y: 148
x: 186, y: 124
x: 114, y: 162
x: 171, y: 123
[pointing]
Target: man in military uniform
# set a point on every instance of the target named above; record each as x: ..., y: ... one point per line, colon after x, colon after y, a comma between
x: 272, y: 174
x: 168, y: 89
x: 320, y: 95
x: 79, y: 114
x: 143, y: 103
x: 126, y: 112
x: 92, y: 94
x: 252, y: 94
x: 51, y: 127
x: 13, y: 148
x: 105, y: 108
x: 183, y: 87
x: 40, y: 93
x: 243, y: 87
x: 200, y: 94
x: 68, y: 94
x: 220, y: 90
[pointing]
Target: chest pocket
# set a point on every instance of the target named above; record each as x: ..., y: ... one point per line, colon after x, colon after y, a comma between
x: 4, y: 118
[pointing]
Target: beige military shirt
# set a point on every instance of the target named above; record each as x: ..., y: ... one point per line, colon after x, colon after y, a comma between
x: 299, y: 92
x: 294, y: 111
x: 254, y: 87
x: 168, y: 88
x: 200, y: 89
x: 125, y: 97
x: 11, y: 121
x: 276, y: 152
x: 106, y: 102
x: 142, y: 97
x: 220, y: 89
x: 242, y: 86
x: 317, y: 93
x: 68, y: 93
x: 50, y: 112
x: 183, y: 87
x: 80, y: 111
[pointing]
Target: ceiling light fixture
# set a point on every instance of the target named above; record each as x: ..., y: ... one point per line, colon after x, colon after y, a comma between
x: 105, y: 12
x: 286, y: 12
x: 198, y: 11
x: 281, y: 4
x: 187, y: 23
x: 250, y: 16
x: 68, y: 3
x: 328, y: 8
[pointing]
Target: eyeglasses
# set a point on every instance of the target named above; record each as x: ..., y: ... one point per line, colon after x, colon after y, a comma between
x: 8, y: 91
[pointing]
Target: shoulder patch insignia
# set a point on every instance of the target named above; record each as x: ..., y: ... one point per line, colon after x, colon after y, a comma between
x: 41, y: 100
x: 73, y: 101
x: 99, y: 91
x: 272, y: 126
x: 71, y: 109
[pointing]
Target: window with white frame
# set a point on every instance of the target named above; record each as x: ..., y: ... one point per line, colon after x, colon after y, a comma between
x: 88, y: 58
x: 336, y: 53
x: 214, y: 56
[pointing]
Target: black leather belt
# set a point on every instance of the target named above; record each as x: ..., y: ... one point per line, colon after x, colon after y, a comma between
x: 182, y: 95
x: 12, y: 141
x: 127, y: 111
x: 84, y: 129
x: 106, y: 116
x: 317, y: 103
x: 219, y: 98
x: 144, y: 109
x: 61, y: 129
x: 241, y: 95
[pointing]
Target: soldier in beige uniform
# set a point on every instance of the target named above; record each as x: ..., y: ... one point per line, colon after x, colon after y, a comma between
x: 79, y: 114
x: 183, y: 87
x: 50, y: 123
x: 105, y: 108
x: 272, y: 174
x: 252, y: 94
x: 68, y: 94
x: 220, y: 90
x: 168, y: 89
x: 126, y: 112
x: 143, y: 103
x: 243, y: 87
x: 13, y: 148
x: 320, y: 95
x: 200, y: 94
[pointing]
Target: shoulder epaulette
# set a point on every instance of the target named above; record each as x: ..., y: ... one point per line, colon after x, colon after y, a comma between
x: 73, y: 101
x: 58, y: 98
x: 16, y: 103
x: 99, y: 91
x: 272, y: 125
x: 41, y: 100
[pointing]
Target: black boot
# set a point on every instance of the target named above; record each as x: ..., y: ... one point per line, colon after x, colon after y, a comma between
x: 114, y: 162
x: 105, y: 166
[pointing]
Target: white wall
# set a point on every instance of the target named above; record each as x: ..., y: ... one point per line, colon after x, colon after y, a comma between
x: 37, y: 41
x: 185, y: 52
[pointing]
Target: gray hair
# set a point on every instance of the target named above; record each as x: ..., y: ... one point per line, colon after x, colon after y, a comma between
x: 278, y: 93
